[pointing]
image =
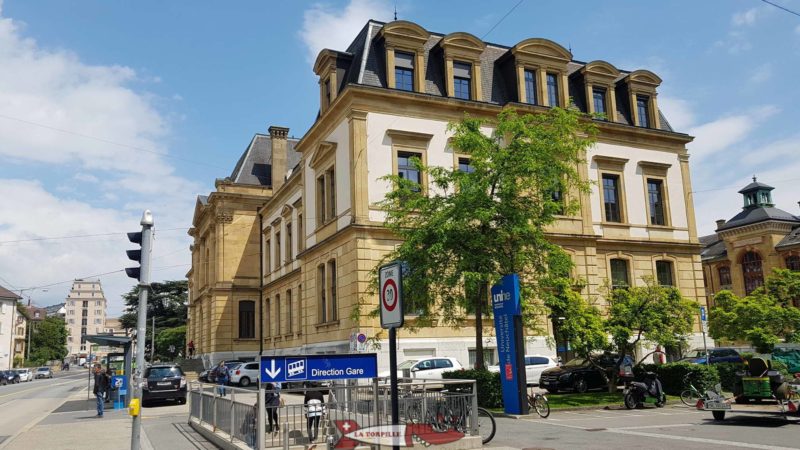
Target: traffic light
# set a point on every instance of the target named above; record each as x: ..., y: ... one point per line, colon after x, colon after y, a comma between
x: 135, y: 255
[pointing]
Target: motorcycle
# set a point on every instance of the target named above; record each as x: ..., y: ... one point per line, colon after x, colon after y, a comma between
x: 649, y: 390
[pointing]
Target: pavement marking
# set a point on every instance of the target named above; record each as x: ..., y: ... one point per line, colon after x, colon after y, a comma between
x: 700, y: 440
x: 38, y: 387
x: 674, y: 425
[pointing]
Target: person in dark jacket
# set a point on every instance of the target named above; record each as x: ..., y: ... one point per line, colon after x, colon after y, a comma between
x: 101, y: 383
x: 272, y: 400
x: 314, y: 402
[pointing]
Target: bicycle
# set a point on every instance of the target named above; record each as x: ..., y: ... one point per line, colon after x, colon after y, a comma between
x: 692, y: 395
x: 455, y: 412
x: 539, y: 403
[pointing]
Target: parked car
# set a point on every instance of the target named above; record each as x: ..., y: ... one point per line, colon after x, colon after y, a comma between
x: 717, y: 355
x: 203, y: 376
x: 43, y: 372
x: 432, y: 367
x: 164, y: 382
x: 534, y: 366
x: 580, y: 375
x: 244, y: 374
x: 11, y: 376
x: 25, y: 374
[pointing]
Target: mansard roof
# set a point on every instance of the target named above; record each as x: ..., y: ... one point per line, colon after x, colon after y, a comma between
x: 255, y: 165
x: 790, y: 240
x: 750, y: 216
x: 364, y: 63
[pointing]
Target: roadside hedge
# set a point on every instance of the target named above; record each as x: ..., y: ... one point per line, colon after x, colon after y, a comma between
x: 673, y: 376
x: 727, y: 374
x: 490, y: 391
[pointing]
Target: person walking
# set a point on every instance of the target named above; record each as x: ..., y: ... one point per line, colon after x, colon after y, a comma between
x: 272, y: 400
x: 191, y: 349
x: 101, y: 383
x: 222, y: 378
x: 315, y: 408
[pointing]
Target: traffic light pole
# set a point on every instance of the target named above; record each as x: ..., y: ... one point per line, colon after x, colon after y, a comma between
x: 141, y: 333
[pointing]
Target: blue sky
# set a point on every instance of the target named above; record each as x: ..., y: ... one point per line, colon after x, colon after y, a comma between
x: 110, y: 107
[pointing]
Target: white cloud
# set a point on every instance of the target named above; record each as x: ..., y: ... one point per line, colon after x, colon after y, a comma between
x: 677, y: 111
x: 797, y: 29
x: 85, y: 177
x: 711, y: 137
x: 762, y: 73
x: 327, y: 26
x: 746, y: 18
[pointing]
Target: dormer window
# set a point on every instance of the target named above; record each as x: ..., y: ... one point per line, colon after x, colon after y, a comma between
x: 530, y: 87
x: 462, y: 76
x: 539, y: 67
x: 404, y: 71
x: 552, y: 90
x: 641, y: 86
x: 643, y: 111
x: 599, y: 100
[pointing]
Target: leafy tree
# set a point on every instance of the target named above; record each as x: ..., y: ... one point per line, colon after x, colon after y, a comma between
x: 763, y: 318
x: 466, y: 229
x: 48, y: 340
x: 175, y: 337
x: 166, y: 302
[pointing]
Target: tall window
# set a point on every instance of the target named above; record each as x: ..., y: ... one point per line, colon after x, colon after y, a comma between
x: 289, y: 312
x: 267, y: 258
x: 277, y: 249
x: 268, y: 317
x: 300, y: 235
x: 465, y: 165
x: 530, y: 87
x: 330, y: 175
x: 664, y: 273
x: 599, y: 100
x: 619, y: 274
x: 404, y: 71
x: 406, y: 168
x: 323, y: 304
x: 643, y: 110
x: 552, y: 89
x: 753, y: 274
x: 289, y: 253
x: 278, y: 315
x: 321, y: 197
x: 793, y: 263
x: 611, y: 198
x: 247, y: 319
x: 724, y: 276
x: 332, y: 298
x: 462, y: 75
x: 655, y: 195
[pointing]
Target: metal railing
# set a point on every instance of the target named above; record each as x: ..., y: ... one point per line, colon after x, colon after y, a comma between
x: 442, y: 404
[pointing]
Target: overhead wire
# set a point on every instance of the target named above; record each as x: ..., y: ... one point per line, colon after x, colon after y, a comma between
x: 782, y: 7
x: 502, y: 19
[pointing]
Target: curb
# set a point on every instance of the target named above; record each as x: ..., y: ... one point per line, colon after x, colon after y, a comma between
x: 579, y: 408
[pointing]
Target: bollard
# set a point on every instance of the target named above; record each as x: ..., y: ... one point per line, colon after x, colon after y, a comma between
x: 474, y: 410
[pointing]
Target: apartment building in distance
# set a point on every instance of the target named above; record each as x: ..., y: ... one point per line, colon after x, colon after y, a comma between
x: 85, y: 315
x: 8, y: 328
x: 283, y: 248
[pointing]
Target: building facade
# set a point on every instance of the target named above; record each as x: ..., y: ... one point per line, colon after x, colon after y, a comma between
x: 8, y: 327
x: 85, y: 315
x: 285, y: 277
x: 746, y: 248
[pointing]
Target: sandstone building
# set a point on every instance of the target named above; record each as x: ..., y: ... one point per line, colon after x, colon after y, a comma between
x: 283, y: 248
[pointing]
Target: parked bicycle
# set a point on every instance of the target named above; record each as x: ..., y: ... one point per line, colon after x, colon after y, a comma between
x: 450, y: 412
x: 692, y: 395
x: 538, y: 402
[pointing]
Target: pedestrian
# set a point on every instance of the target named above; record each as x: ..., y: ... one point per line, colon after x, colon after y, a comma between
x: 315, y: 408
x: 191, y: 349
x: 101, y: 383
x: 109, y: 374
x: 222, y: 377
x: 272, y: 400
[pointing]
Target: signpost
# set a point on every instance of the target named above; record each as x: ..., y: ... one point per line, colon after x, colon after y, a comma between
x: 510, y: 344
x: 280, y: 369
x: 704, y: 327
x: 391, y: 299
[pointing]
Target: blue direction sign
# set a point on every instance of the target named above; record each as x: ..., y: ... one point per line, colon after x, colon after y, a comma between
x: 508, y: 329
x: 703, y: 313
x: 318, y: 367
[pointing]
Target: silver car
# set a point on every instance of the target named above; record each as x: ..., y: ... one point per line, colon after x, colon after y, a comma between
x: 44, y: 372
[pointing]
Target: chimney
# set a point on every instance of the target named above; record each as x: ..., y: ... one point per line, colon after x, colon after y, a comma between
x: 720, y: 223
x: 278, y: 137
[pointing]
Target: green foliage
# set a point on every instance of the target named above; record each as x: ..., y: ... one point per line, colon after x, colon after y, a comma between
x: 674, y: 376
x: 166, y: 302
x: 48, y: 341
x: 490, y: 390
x: 764, y: 318
x: 651, y: 313
x: 582, y: 325
x: 171, y: 336
x: 465, y: 230
x: 18, y: 360
x: 727, y: 374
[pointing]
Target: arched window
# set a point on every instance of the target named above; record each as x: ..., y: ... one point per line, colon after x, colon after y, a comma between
x: 793, y: 263
x: 725, y: 277
x: 752, y: 272
x: 247, y: 319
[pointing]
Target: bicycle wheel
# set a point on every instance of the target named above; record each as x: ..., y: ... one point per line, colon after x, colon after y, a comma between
x: 414, y: 412
x: 689, y: 397
x: 542, y: 406
x: 486, y: 425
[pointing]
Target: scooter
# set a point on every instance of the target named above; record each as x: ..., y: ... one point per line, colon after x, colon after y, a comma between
x: 649, y: 390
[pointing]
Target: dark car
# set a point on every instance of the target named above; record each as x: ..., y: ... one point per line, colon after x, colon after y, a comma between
x: 203, y: 376
x: 717, y: 355
x: 11, y: 376
x: 164, y: 382
x: 580, y: 375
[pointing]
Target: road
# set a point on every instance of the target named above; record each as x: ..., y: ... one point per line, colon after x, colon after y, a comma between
x: 670, y: 428
x: 24, y: 404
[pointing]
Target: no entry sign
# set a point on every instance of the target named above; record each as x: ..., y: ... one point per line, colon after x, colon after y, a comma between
x: 391, y: 295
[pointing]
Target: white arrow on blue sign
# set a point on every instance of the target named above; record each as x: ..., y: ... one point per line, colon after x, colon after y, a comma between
x: 318, y: 367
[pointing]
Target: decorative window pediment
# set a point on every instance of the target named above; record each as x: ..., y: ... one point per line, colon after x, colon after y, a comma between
x: 405, y: 34
x: 405, y: 47
x: 538, y: 51
x: 545, y: 63
x: 600, y: 71
x: 325, y: 149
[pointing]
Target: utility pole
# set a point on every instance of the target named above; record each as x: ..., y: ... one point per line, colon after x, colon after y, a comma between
x: 142, y: 273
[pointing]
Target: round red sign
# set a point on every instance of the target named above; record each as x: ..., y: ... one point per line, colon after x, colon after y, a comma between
x: 389, y: 294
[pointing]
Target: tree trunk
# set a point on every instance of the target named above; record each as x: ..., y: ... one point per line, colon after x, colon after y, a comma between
x: 479, y: 328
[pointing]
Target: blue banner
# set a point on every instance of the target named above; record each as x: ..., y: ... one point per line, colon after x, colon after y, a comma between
x: 318, y: 367
x: 506, y: 307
